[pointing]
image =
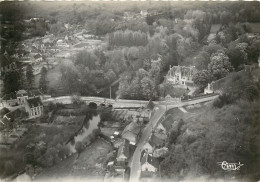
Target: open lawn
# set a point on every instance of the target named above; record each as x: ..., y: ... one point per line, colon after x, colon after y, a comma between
x: 90, y: 163
x: 54, y: 75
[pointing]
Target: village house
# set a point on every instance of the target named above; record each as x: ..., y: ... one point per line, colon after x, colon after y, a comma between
x: 165, y: 125
x: 153, y: 143
x: 21, y: 96
x: 149, y: 163
x: 181, y: 75
x: 118, y: 142
x: 123, y: 151
x: 61, y: 43
x: 9, y: 100
x: 209, y: 89
x: 34, y: 107
x: 132, y: 132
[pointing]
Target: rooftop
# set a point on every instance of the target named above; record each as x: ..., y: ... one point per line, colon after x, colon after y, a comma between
x: 21, y: 93
x: 167, y: 122
x: 150, y: 159
x: 156, y: 141
x: 123, y: 149
x: 34, y: 102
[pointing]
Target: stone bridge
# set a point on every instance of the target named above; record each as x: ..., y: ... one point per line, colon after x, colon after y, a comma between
x: 123, y: 103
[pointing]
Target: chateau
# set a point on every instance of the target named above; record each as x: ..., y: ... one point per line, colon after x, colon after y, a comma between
x: 181, y: 75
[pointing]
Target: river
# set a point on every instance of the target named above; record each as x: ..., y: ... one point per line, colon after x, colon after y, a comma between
x: 87, y: 133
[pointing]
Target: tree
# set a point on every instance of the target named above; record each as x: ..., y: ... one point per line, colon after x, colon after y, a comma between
x: 29, y: 76
x: 202, y: 78
x: 11, y: 82
x: 43, y: 83
x: 219, y: 65
x: 79, y: 147
x: 148, y: 90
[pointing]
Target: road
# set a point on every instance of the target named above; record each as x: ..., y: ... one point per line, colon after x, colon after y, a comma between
x: 160, y: 110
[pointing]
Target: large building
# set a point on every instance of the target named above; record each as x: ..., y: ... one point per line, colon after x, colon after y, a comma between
x: 34, y: 107
x: 181, y: 75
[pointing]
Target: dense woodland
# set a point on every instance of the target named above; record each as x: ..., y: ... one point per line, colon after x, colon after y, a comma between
x: 226, y: 131
x: 177, y: 33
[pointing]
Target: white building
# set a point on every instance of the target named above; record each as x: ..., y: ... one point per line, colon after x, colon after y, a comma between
x: 34, y: 107
x: 181, y: 75
x: 149, y: 163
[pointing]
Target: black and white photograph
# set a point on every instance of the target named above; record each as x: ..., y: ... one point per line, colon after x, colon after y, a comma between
x: 129, y: 91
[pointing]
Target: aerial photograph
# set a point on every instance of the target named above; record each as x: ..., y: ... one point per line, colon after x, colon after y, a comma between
x: 129, y: 91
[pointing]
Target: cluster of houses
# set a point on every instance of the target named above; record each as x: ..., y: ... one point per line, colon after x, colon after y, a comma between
x: 124, y: 142
x: 153, y: 150
x: 28, y: 106
x: 31, y: 102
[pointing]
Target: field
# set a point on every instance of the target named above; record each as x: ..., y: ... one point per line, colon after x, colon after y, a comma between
x: 90, y: 163
x: 54, y: 75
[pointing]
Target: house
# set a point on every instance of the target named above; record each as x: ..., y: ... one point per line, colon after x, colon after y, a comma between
x: 21, y: 96
x: 60, y: 43
x: 123, y: 151
x: 149, y: 163
x: 131, y: 132
x: 120, y: 167
x: 117, y: 143
x: 146, y: 112
x: 9, y: 100
x: 209, y: 89
x: 160, y: 152
x: 166, y: 124
x: 34, y: 107
x: 144, y: 13
x: 153, y: 143
x: 37, y: 58
x: 16, y: 115
x: 181, y: 75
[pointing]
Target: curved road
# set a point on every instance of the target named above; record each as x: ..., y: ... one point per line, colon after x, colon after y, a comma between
x: 147, y: 131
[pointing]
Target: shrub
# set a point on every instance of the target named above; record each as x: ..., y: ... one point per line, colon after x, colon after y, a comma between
x: 79, y: 147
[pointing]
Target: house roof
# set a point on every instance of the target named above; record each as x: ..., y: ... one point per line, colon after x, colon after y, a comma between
x: 119, y: 165
x: 118, y: 142
x: 131, y: 132
x: 156, y: 141
x: 21, y: 93
x: 16, y: 114
x: 133, y: 127
x: 34, y: 102
x: 4, y: 111
x: 150, y: 105
x: 150, y: 159
x: 123, y: 149
x: 187, y: 71
x: 167, y: 122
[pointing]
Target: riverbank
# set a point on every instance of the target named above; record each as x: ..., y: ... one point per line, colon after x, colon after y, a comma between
x: 91, y: 163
